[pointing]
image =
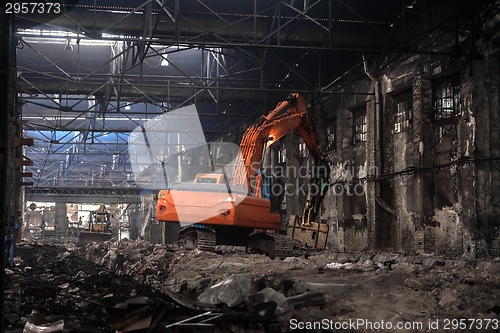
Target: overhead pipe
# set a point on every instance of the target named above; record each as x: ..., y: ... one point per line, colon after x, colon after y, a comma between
x: 378, y: 138
x: 368, y: 71
x: 378, y: 114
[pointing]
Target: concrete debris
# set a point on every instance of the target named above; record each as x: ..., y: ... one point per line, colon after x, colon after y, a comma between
x: 57, y: 326
x: 307, y: 300
x: 291, y: 259
x: 338, y: 265
x: 415, y: 284
x: 231, y: 291
x: 298, y: 288
x: 382, y: 258
x: 458, y: 263
x: 145, y: 287
x: 367, y: 263
x: 448, y: 299
x: 490, y: 266
x: 271, y: 295
x: 385, y: 267
x: 342, y: 258
x: 430, y: 262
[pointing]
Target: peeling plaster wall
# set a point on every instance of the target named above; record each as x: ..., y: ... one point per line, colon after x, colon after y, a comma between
x: 487, y: 146
x: 485, y: 106
x: 447, y: 201
x: 448, y: 230
x: 347, y: 209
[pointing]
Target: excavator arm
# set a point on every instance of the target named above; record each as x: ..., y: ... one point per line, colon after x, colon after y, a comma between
x: 271, y: 128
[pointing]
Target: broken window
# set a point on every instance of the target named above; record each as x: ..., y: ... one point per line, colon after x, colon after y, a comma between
x: 302, y: 148
x: 282, y: 152
x: 359, y: 124
x: 403, y: 111
x: 331, y: 126
x: 446, y: 97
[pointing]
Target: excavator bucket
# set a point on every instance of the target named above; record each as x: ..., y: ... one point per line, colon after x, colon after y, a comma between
x: 85, y: 237
x: 313, y: 234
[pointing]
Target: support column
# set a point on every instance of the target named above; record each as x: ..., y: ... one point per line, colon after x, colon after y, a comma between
x: 61, y: 219
x: 373, y: 153
x: 419, y: 118
x: 5, y: 92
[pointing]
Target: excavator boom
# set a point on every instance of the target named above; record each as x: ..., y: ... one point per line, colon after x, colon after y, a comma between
x: 271, y: 128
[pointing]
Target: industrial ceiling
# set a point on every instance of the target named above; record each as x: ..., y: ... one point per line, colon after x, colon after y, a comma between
x: 98, y: 69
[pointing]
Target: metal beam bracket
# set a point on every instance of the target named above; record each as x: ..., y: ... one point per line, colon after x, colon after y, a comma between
x: 17, y: 141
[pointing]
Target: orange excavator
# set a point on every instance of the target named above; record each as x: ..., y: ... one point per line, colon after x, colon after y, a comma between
x: 233, y: 209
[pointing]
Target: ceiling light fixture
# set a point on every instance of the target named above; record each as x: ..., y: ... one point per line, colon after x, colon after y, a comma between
x: 68, y: 46
x: 164, y: 61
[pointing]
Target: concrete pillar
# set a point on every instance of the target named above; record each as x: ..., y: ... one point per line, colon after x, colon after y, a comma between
x: 5, y: 91
x: 482, y: 226
x: 371, y: 148
x: 61, y: 219
x: 134, y: 219
x: 417, y: 159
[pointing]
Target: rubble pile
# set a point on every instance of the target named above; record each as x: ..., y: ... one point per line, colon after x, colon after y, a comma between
x: 51, y: 288
x: 373, y: 286
x: 188, y: 272
x: 145, y: 262
x: 54, y: 288
x: 134, y: 286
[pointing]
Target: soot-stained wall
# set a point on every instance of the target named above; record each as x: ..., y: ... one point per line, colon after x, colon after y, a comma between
x: 425, y: 176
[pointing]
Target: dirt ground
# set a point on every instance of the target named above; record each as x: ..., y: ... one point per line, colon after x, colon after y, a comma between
x: 360, y: 292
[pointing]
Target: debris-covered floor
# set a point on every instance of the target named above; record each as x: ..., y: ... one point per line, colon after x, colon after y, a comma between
x: 135, y: 286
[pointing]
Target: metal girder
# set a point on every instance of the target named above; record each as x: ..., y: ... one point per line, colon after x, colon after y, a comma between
x: 182, y: 86
x: 240, y: 54
x: 223, y: 27
x: 324, y: 24
x: 89, y: 195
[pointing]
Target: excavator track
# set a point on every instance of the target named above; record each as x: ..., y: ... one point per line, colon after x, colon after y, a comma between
x: 271, y: 244
x: 206, y: 240
x: 283, y: 246
x: 274, y: 245
x: 202, y: 239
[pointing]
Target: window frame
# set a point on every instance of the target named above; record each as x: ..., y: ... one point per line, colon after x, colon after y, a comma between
x: 282, y: 152
x: 403, y: 118
x: 302, y: 148
x: 331, y: 134
x: 446, y: 97
x: 358, y: 112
